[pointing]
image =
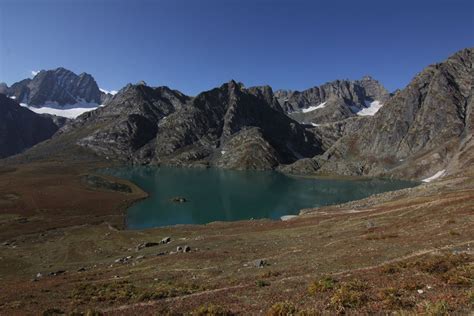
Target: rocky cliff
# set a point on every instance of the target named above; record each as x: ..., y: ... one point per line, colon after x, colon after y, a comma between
x: 20, y: 128
x: 418, y: 132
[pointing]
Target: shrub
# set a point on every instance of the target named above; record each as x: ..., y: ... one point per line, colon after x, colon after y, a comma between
x: 390, y: 269
x: 211, y: 310
x: 470, y: 297
x: 461, y: 276
x: 322, y: 285
x: 269, y: 274
x: 117, y: 291
x: 123, y: 291
x: 282, y: 309
x: 381, y: 236
x: 437, y: 308
x: 262, y: 283
x: 441, y: 264
x: 52, y: 312
x: 393, y: 298
x: 349, y: 295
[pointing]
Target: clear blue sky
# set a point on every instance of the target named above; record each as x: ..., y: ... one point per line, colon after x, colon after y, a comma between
x: 198, y: 44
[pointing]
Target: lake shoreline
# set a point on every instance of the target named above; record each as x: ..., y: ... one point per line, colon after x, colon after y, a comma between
x: 254, y: 181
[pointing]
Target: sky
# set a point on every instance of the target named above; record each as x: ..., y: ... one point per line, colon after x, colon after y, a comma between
x: 196, y: 45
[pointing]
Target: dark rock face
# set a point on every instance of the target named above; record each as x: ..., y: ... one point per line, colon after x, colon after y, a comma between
x: 59, y: 85
x: 129, y: 121
x: 20, y: 128
x: 418, y: 131
x: 230, y: 126
x: 337, y: 100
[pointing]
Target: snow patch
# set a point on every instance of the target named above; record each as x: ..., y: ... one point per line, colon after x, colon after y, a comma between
x: 288, y: 217
x: 222, y: 152
x: 314, y: 124
x: 112, y: 92
x: 314, y: 107
x: 371, y: 108
x: 68, y: 110
x: 13, y: 97
x: 435, y: 176
x: 34, y: 72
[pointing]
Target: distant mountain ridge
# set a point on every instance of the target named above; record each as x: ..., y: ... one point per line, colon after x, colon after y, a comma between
x: 332, y: 101
x: 59, y: 87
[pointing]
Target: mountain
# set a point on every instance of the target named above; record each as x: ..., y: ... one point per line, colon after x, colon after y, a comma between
x: 233, y: 127
x: 229, y: 127
x: 20, y: 128
x: 58, y: 87
x: 127, y: 124
x: 423, y: 130
x: 334, y: 101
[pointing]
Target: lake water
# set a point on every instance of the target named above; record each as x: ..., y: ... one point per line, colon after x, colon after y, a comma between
x: 228, y: 195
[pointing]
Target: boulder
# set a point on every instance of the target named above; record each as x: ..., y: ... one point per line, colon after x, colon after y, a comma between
x: 165, y: 240
x: 178, y: 199
x: 147, y: 245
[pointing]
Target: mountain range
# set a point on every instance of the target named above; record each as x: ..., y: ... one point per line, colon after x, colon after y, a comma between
x: 342, y: 127
x: 60, y: 87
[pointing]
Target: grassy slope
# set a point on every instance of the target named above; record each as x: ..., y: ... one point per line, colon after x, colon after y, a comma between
x: 377, y: 250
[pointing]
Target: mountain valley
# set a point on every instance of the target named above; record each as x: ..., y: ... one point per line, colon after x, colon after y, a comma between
x: 64, y: 246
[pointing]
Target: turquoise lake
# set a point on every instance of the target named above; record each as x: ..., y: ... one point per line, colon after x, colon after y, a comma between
x: 227, y: 195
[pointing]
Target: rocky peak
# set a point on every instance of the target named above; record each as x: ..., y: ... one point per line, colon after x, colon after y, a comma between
x: 214, y: 118
x: 332, y: 101
x: 418, y: 131
x: 373, y: 89
x: 266, y: 93
x: 60, y: 86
